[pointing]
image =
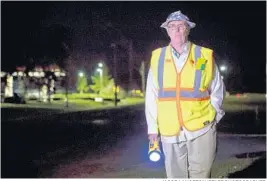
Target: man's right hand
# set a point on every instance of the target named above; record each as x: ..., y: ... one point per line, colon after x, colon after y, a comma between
x: 153, y: 137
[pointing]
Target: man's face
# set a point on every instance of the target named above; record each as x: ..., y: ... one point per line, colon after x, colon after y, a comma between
x: 178, y: 31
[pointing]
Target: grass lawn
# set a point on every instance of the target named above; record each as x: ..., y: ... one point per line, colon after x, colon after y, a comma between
x: 79, y: 102
x: 82, y: 102
x: 74, y: 104
x: 34, y: 109
x: 247, y: 102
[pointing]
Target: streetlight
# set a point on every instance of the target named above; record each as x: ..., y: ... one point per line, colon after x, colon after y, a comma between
x: 81, y: 74
x: 100, y: 65
x: 223, y: 68
x: 101, y: 77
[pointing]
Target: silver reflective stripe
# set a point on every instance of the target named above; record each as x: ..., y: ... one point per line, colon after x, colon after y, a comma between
x: 167, y: 94
x: 194, y: 94
x: 198, y: 73
x: 197, y: 52
x: 160, y: 70
x: 184, y: 94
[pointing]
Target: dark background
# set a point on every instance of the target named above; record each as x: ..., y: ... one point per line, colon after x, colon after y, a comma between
x: 235, y: 30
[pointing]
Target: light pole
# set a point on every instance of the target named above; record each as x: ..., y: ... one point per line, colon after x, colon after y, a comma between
x: 101, y: 78
x: 80, y: 80
x: 113, y: 45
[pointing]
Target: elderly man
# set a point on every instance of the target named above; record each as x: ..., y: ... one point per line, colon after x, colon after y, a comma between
x: 184, y: 96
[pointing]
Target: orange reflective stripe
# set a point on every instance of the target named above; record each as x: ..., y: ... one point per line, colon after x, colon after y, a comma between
x: 187, y: 89
x: 169, y: 89
x: 178, y: 101
x: 183, y: 89
x: 178, y: 90
x: 195, y: 99
x: 167, y: 99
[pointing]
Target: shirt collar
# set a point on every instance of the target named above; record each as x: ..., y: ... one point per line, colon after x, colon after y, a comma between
x: 186, y: 48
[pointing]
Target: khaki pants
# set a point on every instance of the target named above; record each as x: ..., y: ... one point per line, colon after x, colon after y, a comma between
x: 191, y: 159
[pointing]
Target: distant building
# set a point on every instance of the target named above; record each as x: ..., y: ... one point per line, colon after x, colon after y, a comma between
x: 30, y: 83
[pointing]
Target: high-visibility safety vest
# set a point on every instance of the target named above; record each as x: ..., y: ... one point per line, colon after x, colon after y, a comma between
x: 183, y: 97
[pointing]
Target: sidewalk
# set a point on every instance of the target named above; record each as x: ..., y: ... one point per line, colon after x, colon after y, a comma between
x: 129, y: 160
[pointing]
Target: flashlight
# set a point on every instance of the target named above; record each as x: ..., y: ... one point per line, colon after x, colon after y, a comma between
x: 154, y: 152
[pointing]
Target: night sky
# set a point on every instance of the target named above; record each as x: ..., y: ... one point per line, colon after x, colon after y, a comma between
x: 235, y: 30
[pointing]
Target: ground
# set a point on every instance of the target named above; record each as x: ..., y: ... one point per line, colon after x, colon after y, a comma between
x: 112, y: 143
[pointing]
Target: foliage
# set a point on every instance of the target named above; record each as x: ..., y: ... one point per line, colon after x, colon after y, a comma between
x: 96, y: 79
x: 82, y: 84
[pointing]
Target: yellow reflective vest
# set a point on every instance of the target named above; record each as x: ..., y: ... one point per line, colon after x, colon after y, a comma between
x: 183, y: 97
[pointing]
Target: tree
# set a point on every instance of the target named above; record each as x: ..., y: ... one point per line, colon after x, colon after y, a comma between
x: 82, y: 84
x: 142, y: 72
x: 108, y: 91
x: 96, y: 79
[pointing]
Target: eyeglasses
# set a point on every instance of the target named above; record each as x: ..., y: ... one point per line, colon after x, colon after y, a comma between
x: 174, y: 27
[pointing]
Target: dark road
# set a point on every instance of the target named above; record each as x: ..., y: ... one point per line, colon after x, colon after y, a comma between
x: 34, y: 148
x: 30, y: 147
